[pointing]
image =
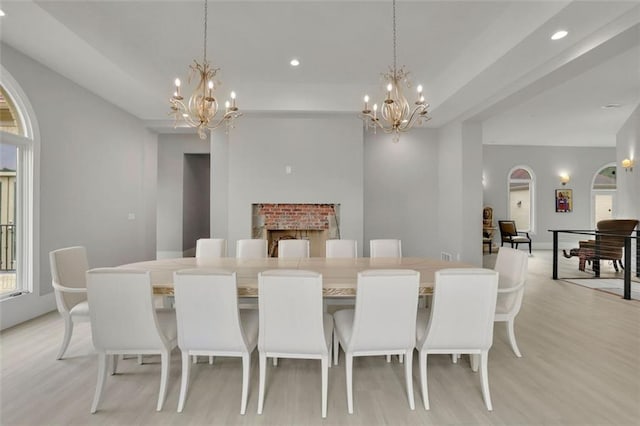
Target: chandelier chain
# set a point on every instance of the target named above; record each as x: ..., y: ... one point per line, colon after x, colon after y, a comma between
x: 205, y: 30
x: 394, y: 38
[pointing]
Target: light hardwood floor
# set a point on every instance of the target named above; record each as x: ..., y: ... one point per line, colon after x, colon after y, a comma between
x: 580, y: 366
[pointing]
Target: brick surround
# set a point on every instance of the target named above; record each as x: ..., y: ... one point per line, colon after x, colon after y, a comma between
x: 295, y: 216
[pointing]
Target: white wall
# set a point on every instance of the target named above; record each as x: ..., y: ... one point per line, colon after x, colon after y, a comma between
x: 546, y: 163
x: 97, y: 165
x: 325, y: 156
x: 401, y: 192
x: 171, y: 151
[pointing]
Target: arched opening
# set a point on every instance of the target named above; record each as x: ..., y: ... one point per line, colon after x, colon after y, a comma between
x: 603, y: 194
x: 521, y: 197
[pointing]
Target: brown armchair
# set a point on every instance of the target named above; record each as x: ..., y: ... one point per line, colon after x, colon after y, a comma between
x: 612, y: 233
x: 510, y: 234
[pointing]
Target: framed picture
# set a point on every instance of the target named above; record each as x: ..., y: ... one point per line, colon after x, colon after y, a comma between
x: 564, y: 200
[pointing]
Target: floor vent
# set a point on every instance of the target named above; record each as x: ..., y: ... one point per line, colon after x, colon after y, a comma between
x: 445, y: 256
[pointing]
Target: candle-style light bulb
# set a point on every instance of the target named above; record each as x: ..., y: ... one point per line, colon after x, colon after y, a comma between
x: 233, y: 99
x: 177, y: 83
x: 366, y: 102
x: 210, y: 89
x: 419, y: 88
x: 227, y: 105
x: 375, y: 110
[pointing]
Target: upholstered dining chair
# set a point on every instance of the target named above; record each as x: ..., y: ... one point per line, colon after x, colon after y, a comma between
x: 292, y: 323
x: 293, y: 248
x: 460, y: 321
x: 511, y: 266
x: 211, y: 248
x: 510, y: 234
x: 385, y: 248
x: 210, y: 323
x: 124, y: 321
x: 382, y: 323
x: 251, y: 249
x: 341, y: 248
x: 68, y: 275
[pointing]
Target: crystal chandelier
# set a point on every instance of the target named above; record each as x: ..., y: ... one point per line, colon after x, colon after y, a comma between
x: 397, y: 115
x: 201, y: 109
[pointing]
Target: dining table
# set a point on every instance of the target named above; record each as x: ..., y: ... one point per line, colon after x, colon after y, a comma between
x: 339, y: 275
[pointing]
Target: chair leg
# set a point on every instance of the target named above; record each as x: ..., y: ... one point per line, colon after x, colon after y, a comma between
x: 454, y: 358
x: 400, y: 358
x: 114, y: 364
x: 325, y: 361
x: 165, y: 361
x: 408, y: 376
x: 336, y: 348
x: 484, y: 378
x: 349, y: 376
x: 211, y: 360
x: 68, y: 330
x: 275, y: 361
x: 388, y: 358
x: 512, y: 338
x: 184, y: 382
x: 615, y: 265
x: 246, y: 369
x: 102, y: 378
x: 195, y: 359
x: 263, y: 367
x: 422, y: 360
x: 473, y: 362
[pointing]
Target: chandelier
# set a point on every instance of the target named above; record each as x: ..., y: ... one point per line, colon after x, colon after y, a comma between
x: 396, y: 113
x: 202, y: 107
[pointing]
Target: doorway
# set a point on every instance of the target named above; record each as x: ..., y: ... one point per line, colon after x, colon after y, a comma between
x: 195, y: 200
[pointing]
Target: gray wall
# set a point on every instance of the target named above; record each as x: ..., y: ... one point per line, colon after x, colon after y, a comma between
x: 400, y: 191
x: 546, y: 163
x: 97, y: 165
x: 628, y: 146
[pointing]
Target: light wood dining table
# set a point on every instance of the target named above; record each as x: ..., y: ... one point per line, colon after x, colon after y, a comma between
x: 339, y: 274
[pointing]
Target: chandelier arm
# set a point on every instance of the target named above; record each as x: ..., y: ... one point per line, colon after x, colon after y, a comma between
x: 414, y: 117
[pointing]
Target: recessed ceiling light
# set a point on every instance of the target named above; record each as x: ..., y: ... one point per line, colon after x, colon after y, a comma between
x: 2, y: 12
x: 559, y: 34
x: 611, y: 106
x: 294, y: 62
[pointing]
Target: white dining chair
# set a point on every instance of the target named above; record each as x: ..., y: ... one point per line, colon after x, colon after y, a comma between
x: 210, y: 248
x: 292, y: 324
x: 382, y: 323
x: 210, y: 323
x: 251, y: 249
x: 207, y: 248
x: 341, y: 249
x: 293, y: 248
x: 124, y: 321
x: 68, y: 277
x: 460, y: 321
x: 385, y: 248
x: 511, y: 265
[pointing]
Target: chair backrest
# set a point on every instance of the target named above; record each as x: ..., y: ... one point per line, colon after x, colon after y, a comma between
x: 68, y: 268
x: 462, y: 310
x: 341, y: 248
x: 291, y: 312
x: 122, y: 313
x: 507, y: 229
x: 512, y: 267
x: 614, y: 230
x: 385, y: 312
x: 293, y: 248
x: 385, y: 248
x: 211, y: 247
x: 251, y: 249
x: 206, y: 304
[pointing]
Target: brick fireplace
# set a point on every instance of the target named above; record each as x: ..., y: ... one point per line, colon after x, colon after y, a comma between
x: 314, y: 222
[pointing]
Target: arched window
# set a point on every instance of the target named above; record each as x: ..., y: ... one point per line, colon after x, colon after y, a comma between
x: 603, y: 194
x: 18, y: 142
x: 521, y: 197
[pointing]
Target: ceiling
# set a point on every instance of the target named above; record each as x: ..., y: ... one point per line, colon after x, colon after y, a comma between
x: 489, y: 61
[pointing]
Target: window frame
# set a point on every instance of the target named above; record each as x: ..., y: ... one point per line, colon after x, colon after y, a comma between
x: 27, y: 188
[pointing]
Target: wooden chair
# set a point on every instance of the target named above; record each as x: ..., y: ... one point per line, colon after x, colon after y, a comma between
x: 510, y: 234
x: 612, y: 233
